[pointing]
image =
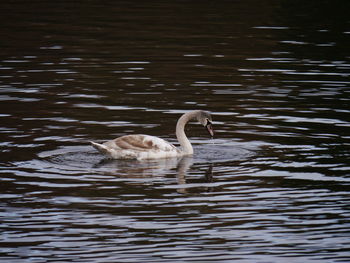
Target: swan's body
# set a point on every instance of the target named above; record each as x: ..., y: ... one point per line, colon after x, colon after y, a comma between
x: 139, y: 146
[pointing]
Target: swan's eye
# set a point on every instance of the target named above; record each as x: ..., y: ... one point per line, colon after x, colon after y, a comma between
x: 208, y: 121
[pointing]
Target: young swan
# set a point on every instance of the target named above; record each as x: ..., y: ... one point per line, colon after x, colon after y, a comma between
x: 140, y: 147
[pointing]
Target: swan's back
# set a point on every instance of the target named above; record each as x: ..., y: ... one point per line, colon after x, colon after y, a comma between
x: 137, y: 146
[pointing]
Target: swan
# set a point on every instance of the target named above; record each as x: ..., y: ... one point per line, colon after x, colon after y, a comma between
x: 141, y: 147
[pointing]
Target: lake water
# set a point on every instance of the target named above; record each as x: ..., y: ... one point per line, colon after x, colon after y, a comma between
x: 272, y: 186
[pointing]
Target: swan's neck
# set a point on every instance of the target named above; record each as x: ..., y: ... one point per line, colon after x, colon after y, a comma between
x: 186, y: 146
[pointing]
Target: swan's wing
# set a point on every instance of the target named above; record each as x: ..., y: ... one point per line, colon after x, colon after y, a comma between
x: 140, y: 142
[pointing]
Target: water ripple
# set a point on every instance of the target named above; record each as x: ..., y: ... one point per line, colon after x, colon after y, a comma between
x: 273, y: 184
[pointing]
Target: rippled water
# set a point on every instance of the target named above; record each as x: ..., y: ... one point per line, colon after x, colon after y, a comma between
x: 272, y: 186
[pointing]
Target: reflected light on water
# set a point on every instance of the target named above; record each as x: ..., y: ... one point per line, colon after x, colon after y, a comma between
x: 273, y: 184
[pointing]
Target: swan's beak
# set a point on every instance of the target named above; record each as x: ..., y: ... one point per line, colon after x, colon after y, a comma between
x: 209, y: 128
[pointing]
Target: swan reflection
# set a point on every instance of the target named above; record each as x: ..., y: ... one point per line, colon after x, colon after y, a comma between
x: 183, y: 166
x: 155, y: 169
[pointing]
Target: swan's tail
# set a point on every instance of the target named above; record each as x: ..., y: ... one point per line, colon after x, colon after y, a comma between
x: 100, y: 147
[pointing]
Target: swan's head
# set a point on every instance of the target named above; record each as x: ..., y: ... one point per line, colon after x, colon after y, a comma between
x: 204, y: 118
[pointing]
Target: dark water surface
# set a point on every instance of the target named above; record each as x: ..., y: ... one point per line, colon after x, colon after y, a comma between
x: 272, y: 186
